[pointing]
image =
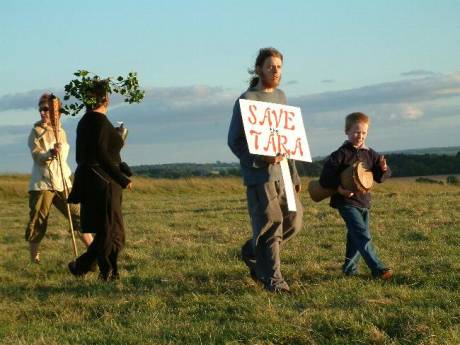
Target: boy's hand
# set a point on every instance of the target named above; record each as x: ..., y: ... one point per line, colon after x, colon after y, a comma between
x: 383, y: 163
x: 344, y: 192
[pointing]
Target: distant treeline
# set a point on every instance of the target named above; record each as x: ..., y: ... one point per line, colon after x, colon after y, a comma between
x: 401, y: 165
x: 179, y: 170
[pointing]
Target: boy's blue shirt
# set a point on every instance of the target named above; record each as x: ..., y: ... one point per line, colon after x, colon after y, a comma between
x: 338, y: 161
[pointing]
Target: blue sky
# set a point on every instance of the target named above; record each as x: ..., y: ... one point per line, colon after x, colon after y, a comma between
x: 396, y: 60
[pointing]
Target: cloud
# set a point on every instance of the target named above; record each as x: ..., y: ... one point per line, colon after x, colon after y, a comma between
x: 419, y: 73
x: 190, y: 123
x: 179, y: 114
x: 328, y: 81
x: 23, y: 100
x: 292, y: 82
x: 406, y: 91
x: 14, y: 134
x: 29, y: 99
x: 412, y: 112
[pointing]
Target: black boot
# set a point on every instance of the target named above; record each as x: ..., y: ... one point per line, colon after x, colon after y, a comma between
x: 73, y: 268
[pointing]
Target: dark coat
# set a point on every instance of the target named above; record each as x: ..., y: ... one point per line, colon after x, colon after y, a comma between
x: 100, y: 175
x: 338, y: 161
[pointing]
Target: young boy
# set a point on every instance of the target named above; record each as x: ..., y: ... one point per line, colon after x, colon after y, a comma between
x: 354, y: 206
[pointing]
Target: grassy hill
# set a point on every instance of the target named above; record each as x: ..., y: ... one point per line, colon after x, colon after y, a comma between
x: 450, y: 151
x: 182, y: 281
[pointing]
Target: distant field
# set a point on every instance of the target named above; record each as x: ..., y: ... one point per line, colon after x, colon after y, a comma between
x: 182, y: 281
x: 451, y: 150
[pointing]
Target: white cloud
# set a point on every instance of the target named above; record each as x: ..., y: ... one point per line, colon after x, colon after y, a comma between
x: 412, y: 112
x: 419, y: 73
x: 191, y: 122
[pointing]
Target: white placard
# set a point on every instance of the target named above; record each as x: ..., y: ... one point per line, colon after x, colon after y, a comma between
x: 288, y: 187
x: 273, y: 129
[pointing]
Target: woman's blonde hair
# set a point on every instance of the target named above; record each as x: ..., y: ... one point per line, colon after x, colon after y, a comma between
x: 46, y: 99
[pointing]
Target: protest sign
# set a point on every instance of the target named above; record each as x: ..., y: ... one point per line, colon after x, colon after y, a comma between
x: 273, y: 129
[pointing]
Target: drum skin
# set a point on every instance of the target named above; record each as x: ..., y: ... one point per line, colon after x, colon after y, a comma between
x: 356, y: 178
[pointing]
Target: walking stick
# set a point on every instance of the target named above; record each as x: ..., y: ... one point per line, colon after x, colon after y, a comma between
x: 53, y: 105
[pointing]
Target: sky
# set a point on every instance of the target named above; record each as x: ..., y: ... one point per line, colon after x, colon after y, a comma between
x: 397, y: 61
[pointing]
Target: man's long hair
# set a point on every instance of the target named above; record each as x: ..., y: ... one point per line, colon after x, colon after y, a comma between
x: 264, y: 53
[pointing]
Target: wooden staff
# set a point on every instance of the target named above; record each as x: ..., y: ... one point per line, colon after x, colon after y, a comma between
x: 54, y: 118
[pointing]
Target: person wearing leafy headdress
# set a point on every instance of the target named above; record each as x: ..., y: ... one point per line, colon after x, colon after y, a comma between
x: 99, y: 180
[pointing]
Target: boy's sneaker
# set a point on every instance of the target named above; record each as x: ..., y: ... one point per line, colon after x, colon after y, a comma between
x: 350, y: 273
x: 385, y: 274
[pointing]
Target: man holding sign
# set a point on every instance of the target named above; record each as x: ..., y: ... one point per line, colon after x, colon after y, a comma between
x: 262, y: 134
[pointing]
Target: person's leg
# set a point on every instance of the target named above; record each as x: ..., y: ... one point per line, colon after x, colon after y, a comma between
x: 249, y: 258
x: 86, y: 238
x: 268, y: 262
x: 356, y: 220
x: 267, y: 221
x: 39, y: 206
x: 113, y: 258
x: 93, y: 257
x: 248, y: 249
x: 88, y: 260
x: 350, y: 266
x: 105, y: 266
x: 34, y: 252
x: 292, y: 221
x: 117, y: 231
x: 60, y: 203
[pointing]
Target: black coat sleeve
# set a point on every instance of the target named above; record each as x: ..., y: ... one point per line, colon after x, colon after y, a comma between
x: 111, y: 167
x: 330, y: 175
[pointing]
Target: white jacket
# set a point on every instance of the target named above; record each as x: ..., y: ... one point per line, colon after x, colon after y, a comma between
x: 46, y: 174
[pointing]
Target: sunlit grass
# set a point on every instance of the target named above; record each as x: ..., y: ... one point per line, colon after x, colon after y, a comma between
x: 182, y: 281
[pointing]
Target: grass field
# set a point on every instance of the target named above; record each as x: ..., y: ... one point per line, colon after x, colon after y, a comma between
x: 182, y: 281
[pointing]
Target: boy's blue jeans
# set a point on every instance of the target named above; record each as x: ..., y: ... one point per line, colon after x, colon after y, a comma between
x: 359, y: 241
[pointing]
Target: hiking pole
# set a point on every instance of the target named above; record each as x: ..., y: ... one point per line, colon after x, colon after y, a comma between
x: 54, y: 104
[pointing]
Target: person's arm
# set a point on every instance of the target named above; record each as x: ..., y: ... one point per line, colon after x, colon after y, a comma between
x: 39, y: 155
x: 238, y: 144
x: 330, y: 175
x: 107, y: 164
x: 380, y: 169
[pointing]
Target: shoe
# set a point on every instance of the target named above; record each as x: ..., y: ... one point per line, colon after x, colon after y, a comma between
x: 114, y: 276
x: 281, y: 287
x: 350, y: 273
x: 74, y: 269
x: 104, y: 277
x: 93, y: 267
x: 34, y: 253
x: 36, y: 259
x: 385, y: 274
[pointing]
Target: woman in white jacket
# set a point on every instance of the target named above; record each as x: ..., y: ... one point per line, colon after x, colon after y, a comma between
x: 46, y: 185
